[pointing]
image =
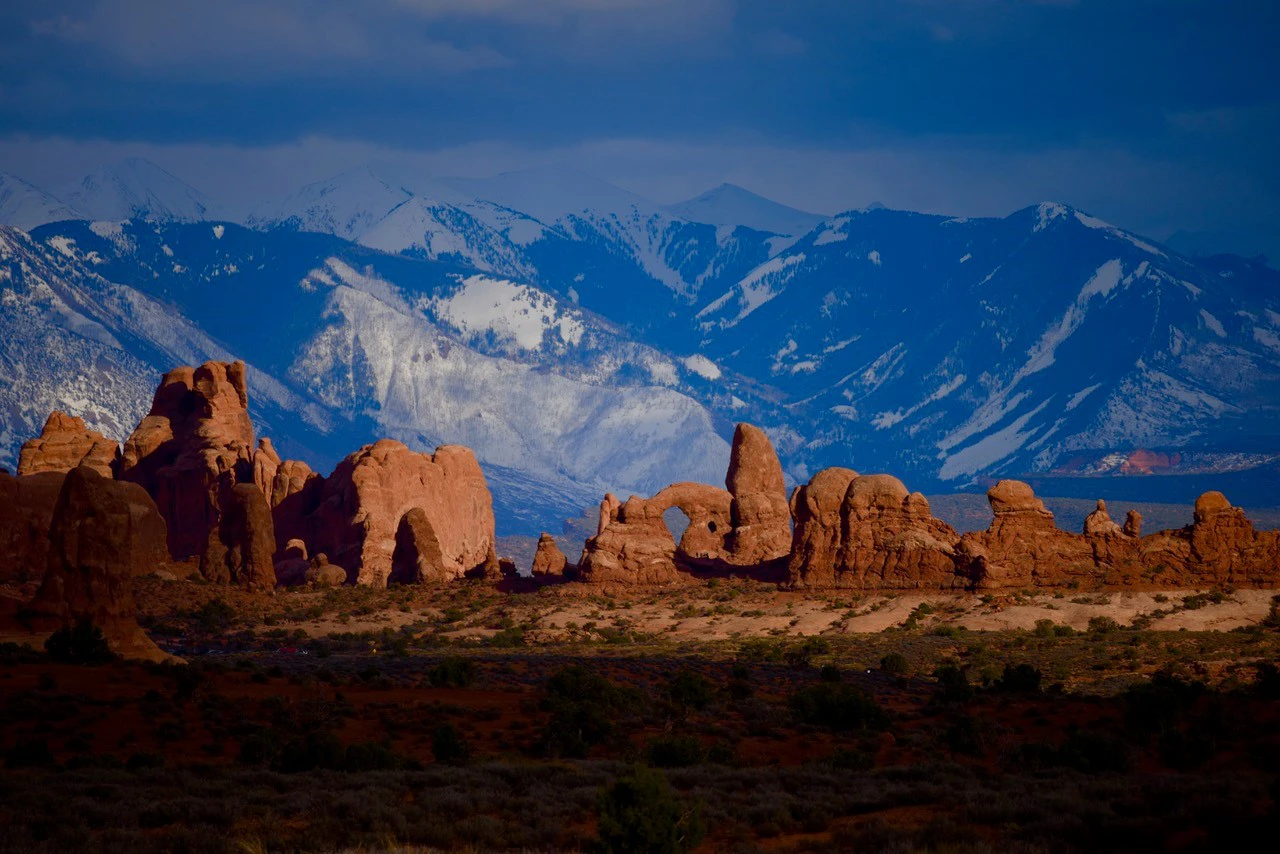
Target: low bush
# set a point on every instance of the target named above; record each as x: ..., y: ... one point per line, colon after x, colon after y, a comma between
x: 639, y: 812
x: 82, y: 643
x: 839, y: 706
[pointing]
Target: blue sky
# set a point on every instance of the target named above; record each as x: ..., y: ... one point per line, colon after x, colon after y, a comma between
x: 1155, y: 114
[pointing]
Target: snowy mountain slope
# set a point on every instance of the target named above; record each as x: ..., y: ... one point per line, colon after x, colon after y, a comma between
x: 351, y: 344
x: 73, y: 340
x: 729, y: 204
x: 1047, y: 341
x: 26, y: 206
x: 137, y: 188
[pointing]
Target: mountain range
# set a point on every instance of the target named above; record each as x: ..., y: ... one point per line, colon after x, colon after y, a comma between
x: 581, y: 338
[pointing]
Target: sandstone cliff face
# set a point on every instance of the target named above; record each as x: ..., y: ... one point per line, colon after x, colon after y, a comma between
x: 103, y: 534
x: 759, y: 515
x: 190, y: 453
x: 869, y: 532
x: 26, y: 513
x: 65, y: 443
x: 548, y: 561
x: 364, y: 517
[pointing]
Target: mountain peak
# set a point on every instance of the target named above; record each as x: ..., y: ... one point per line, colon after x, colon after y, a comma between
x: 136, y: 188
x: 25, y: 206
x: 729, y: 204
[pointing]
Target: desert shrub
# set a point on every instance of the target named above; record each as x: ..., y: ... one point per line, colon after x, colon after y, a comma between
x: 1160, y: 704
x: 839, y: 706
x: 800, y: 655
x: 674, y: 751
x: 508, y: 638
x: 830, y: 673
x: 639, y: 812
x: 845, y: 759
x: 1094, y: 752
x: 311, y: 752
x: 1102, y: 625
x: 760, y: 649
x: 371, y: 756
x: 1019, y: 679
x: 1267, y: 683
x: 1045, y: 628
x: 965, y: 736
x: 258, y: 748
x: 143, y: 761
x: 29, y: 753
x: 448, y: 745
x: 953, y: 684
x: 583, y: 706
x: 895, y: 664
x: 454, y: 671
x: 214, y: 616
x: 82, y: 643
x: 689, y: 690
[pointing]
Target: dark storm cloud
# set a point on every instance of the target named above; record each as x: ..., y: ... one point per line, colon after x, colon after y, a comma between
x: 1179, y: 94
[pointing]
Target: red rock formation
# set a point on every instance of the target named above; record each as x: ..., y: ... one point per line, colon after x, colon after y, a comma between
x: 609, y: 508
x: 363, y: 507
x: 637, y: 548
x: 66, y: 443
x: 1099, y: 524
x: 1023, y: 547
x: 240, y: 550
x: 103, y: 534
x: 1225, y: 549
x: 26, y: 512
x: 1133, y: 524
x: 548, y: 560
x: 816, y: 540
x: 190, y: 453
x: 759, y: 514
x: 748, y: 524
x: 869, y: 532
x: 891, y: 540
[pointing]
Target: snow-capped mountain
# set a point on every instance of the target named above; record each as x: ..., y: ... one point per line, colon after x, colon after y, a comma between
x: 26, y: 206
x: 582, y: 338
x: 348, y: 344
x: 136, y: 188
x: 373, y: 205
x: 730, y: 204
x: 1048, y: 341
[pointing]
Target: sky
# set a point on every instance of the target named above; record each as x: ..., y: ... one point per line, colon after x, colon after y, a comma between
x: 1158, y: 115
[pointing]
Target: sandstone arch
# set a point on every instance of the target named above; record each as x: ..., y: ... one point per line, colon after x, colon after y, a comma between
x: 417, y: 556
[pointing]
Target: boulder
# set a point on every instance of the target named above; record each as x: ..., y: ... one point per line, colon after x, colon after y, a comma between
x: 363, y: 513
x: 760, y: 516
x: 548, y: 560
x: 26, y: 513
x: 66, y: 443
x: 321, y: 573
x: 103, y: 534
